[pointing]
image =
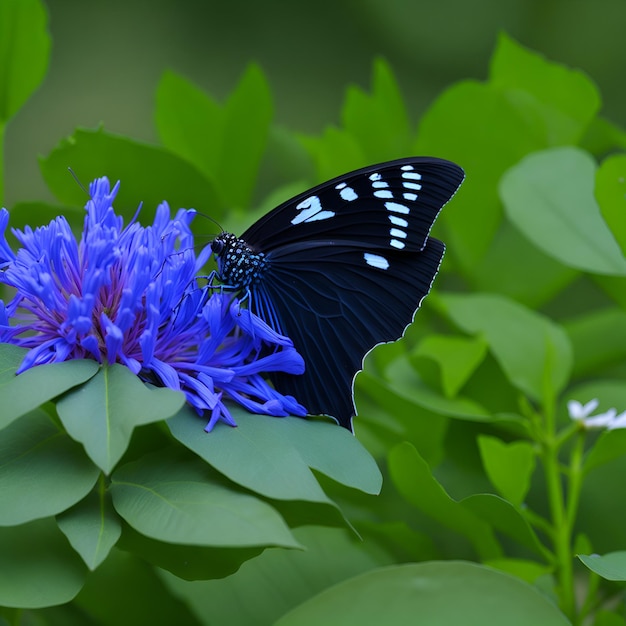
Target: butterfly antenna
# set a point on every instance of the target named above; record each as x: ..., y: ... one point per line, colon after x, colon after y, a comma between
x: 78, y: 182
x: 211, y: 219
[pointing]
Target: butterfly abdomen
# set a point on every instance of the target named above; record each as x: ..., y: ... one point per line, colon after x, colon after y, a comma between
x: 238, y: 264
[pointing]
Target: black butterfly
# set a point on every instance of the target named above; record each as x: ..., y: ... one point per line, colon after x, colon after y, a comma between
x: 342, y: 268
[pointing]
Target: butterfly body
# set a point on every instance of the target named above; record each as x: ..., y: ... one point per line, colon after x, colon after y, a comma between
x: 342, y: 268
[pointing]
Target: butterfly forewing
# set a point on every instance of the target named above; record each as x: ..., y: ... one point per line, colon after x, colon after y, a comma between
x: 391, y: 205
x: 341, y: 268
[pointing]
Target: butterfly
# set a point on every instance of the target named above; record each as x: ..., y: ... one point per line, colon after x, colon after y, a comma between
x: 341, y: 268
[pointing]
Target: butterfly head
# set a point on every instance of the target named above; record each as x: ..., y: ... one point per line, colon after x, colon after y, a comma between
x: 238, y: 264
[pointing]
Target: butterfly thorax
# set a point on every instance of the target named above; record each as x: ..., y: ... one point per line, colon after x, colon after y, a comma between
x: 238, y: 264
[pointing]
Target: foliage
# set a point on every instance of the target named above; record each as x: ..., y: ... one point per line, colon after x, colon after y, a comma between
x: 110, y: 488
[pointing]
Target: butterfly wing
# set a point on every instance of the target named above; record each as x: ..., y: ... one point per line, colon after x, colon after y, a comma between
x: 390, y: 205
x: 336, y: 306
x: 348, y: 264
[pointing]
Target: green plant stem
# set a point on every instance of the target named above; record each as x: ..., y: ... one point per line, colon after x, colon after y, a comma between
x: 561, y: 521
x: 561, y: 526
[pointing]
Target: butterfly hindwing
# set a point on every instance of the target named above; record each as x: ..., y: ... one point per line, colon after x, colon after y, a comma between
x: 337, y: 309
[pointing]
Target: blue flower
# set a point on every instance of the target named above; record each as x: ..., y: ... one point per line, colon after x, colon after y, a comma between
x: 130, y: 295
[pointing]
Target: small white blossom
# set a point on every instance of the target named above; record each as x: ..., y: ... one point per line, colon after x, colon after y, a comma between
x: 582, y: 414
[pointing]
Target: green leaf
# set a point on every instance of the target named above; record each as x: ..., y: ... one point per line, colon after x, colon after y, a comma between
x: 335, y: 152
x: 92, y: 527
x: 187, y: 562
x: 178, y: 501
x: 505, y: 518
x: 23, y: 393
x: 549, y: 196
x: 103, y: 413
x: 227, y: 142
x: 457, y: 359
x: 413, y: 479
x: 126, y: 591
x: 273, y: 456
x: 188, y: 121
x: 611, y: 566
x: 162, y: 175
x: 378, y: 122
x: 38, y: 568
x: 24, y: 52
x: 279, y: 580
x: 509, y: 466
x: 534, y: 282
x: 569, y: 99
x: 588, y: 334
x: 611, y: 195
x: 528, y: 571
x: 43, y: 472
x: 431, y: 594
x: 528, y: 346
x: 481, y: 129
x: 404, y: 381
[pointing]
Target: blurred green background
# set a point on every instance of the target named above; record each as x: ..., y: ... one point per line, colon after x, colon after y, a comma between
x: 107, y: 58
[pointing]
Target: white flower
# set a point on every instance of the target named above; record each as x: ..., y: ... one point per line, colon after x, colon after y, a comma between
x: 582, y: 414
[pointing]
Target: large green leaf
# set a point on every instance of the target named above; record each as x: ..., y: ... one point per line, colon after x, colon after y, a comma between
x: 532, y: 350
x: 481, y: 129
x: 566, y: 99
x: 404, y: 380
x: 42, y: 472
x: 588, y: 333
x: 37, y: 567
x: 378, y: 121
x: 226, y: 142
x: 375, y: 128
x: 274, y: 456
x: 103, y: 413
x: 24, y: 51
x: 505, y: 518
x: 611, y: 195
x: 162, y: 175
x: 191, y: 562
x: 429, y: 594
x: 414, y: 480
x: 23, y: 393
x: 279, y: 580
x: 126, y: 591
x: 549, y: 196
x: 92, y: 527
x: 176, y: 500
x: 611, y: 566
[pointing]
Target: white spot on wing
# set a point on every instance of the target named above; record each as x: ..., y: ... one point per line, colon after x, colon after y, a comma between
x: 397, y: 244
x: 396, y: 232
x: 347, y: 193
x: 375, y: 176
x: 415, y: 186
x: 380, y: 184
x: 375, y: 260
x: 410, y: 196
x: 398, y: 221
x: 397, y: 208
x: 383, y: 193
x: 407, y: 168
x: 412, y: 175
x: 310, y: 211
